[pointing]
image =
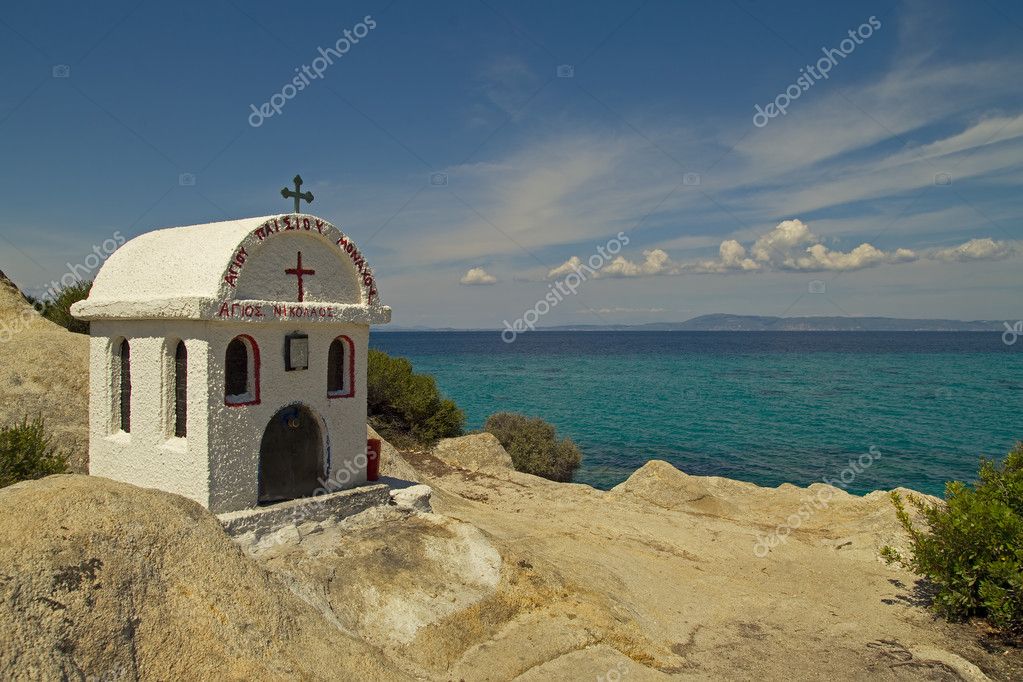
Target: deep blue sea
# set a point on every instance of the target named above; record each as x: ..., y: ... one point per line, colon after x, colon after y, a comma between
x: 766, y: 407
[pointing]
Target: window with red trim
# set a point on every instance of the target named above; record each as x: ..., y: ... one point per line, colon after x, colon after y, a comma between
x: 341, y: 368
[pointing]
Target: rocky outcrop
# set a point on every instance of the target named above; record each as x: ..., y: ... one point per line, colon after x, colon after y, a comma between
x: 473, y: 453
x: 410, y: 571
x: 662, y: 485
x: 44, y: 371
x: 103, y: 580
x: 704, y: 578
x: 823, y: 513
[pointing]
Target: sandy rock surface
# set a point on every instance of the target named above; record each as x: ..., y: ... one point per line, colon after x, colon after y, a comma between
x: 44, y: 370
x: 476, y: 452
x: 514, y: 577
x: 665, y: 570
x: 103, y: 580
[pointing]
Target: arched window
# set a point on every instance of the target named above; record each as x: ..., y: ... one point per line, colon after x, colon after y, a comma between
x: 241, y: 372
x: 341, y: 368
x: 124, y: 386
x: 180, y: 390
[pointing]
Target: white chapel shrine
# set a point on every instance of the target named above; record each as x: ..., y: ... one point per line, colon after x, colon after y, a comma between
x: 228, y: 361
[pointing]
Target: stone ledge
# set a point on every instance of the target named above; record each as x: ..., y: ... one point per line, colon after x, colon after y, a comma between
x: 344, y: 503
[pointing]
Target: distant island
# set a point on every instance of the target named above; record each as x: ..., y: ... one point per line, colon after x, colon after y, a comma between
x: 720, y: 322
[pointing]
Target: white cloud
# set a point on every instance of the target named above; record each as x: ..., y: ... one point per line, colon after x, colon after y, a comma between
x: 573, y: 264
x: 732, y: 257
x: 477, y: 276
x: 789, y: 247
x: 655, y: 262
x: 976, y: 249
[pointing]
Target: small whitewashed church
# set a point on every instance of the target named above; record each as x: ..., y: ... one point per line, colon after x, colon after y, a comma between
x: 228, y: 360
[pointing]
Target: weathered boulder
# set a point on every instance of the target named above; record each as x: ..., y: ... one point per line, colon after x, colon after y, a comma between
x: 662, y: 485
x: 477, y: 451
x: 401, y: 572
x: 413, y: 498
x: 103, y: 580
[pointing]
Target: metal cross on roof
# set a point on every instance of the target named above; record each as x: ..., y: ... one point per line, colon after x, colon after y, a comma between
x: 298, y: 194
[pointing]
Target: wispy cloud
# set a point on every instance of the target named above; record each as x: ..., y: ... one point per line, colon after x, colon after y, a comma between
x: 828, y: 159
x: 504, y: 84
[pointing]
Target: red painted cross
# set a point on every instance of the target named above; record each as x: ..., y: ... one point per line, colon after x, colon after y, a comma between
x: 299, y: 272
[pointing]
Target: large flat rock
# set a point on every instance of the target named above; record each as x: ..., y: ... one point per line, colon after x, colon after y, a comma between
x: 103, y: 580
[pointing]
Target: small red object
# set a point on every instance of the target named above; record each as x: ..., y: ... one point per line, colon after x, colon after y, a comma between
x: 373, y: 459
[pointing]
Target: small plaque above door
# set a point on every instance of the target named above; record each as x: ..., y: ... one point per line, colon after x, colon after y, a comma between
x: 296, y: 352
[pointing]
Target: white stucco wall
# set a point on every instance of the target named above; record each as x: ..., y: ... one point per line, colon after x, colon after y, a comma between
x: 228, y: 479
x: 149, y: 456
x: 336, y: 279
x: 236, y: 431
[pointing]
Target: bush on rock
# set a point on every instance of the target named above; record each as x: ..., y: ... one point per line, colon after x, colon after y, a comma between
x: 972, y: 547
x: 26, y: 453
x: 405, y: 407
x: 59, y: 309
x: 534, y: 446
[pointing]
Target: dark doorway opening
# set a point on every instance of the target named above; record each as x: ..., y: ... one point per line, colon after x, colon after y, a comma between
x: 291, y: 458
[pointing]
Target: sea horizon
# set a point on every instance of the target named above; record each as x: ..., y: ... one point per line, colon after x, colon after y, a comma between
x: 378, y: 329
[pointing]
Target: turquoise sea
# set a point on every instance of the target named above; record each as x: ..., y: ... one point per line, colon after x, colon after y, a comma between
x: 766, y: 407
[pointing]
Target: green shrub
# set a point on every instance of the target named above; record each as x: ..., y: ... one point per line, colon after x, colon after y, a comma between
x: 972, y: 548
x: 26, y: 453
x: 534, y: 446
x: 59, y: 309
x: 405, y: 407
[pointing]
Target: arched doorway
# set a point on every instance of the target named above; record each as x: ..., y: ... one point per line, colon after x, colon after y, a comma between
x: 291, y: 458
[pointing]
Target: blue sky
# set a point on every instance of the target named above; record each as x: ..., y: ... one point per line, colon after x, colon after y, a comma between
x: 894, y: 181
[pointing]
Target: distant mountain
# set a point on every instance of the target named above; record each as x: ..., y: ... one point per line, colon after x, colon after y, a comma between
x: 419, y: 328
x: 758, y: 323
